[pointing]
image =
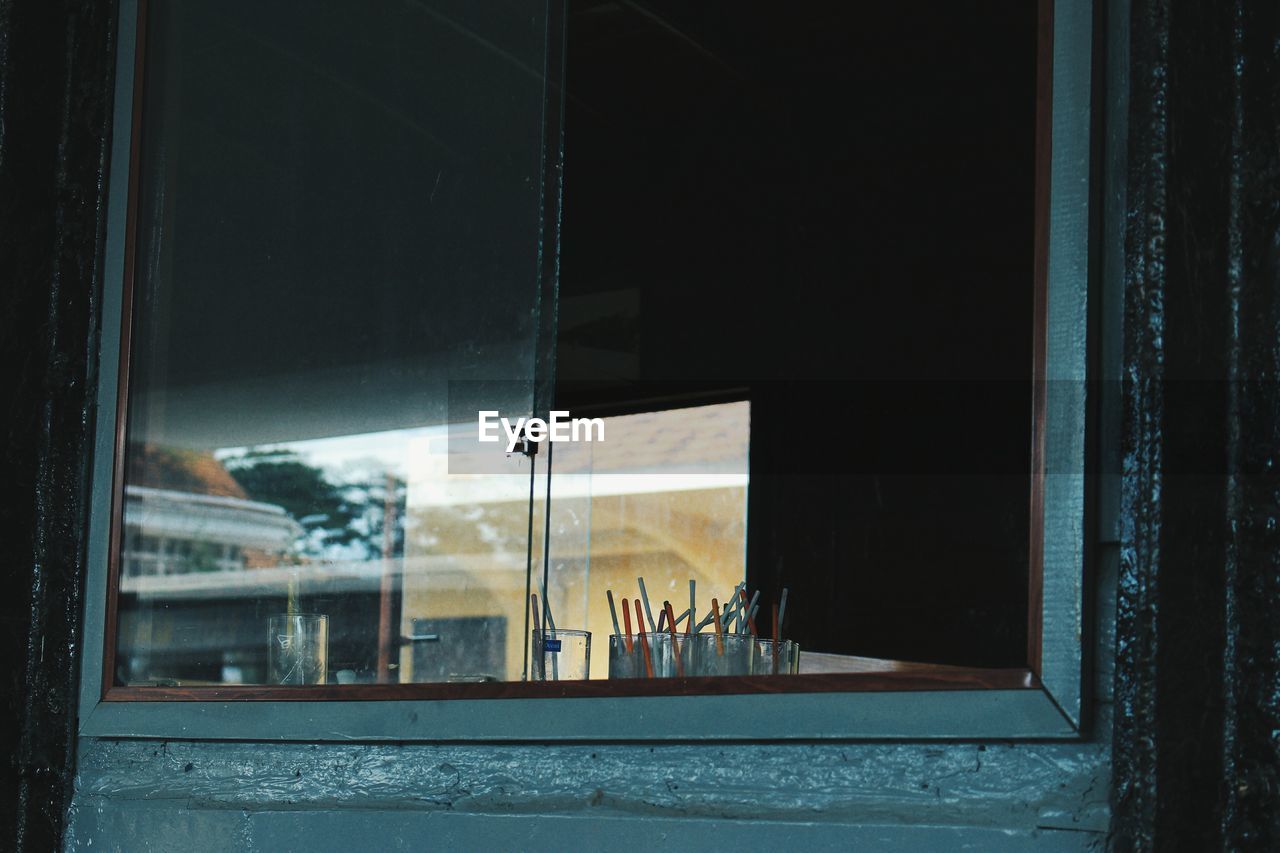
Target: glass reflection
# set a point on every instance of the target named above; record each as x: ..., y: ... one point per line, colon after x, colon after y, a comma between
x: 339, y: 222
x: 404, y: 559
x: 419, y: 571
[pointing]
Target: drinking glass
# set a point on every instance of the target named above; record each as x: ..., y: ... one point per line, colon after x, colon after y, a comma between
x: 299, y: 648
x: 624, y: 663
x: 561, y: 655
x: 730, y: 656
x: 787, y: 662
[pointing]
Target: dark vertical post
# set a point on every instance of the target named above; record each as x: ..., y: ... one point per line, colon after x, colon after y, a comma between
x: 1197, y: 674
x: 56, y: 71
x: 1251, y: 748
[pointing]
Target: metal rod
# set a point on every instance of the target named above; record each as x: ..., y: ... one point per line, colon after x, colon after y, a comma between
x: 528, y: 569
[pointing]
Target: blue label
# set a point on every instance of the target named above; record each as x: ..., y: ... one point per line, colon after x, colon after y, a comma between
x: 551, y: 645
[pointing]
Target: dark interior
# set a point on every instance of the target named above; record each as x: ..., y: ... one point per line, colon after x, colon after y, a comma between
x: 827, y: 208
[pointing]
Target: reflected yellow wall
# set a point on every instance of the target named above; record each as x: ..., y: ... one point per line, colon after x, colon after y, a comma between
x: 596, y: 544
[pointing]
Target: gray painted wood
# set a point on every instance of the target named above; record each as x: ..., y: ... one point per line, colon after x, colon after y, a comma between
x: 946, y: 714
x: 173, y: 829
x: 109, y: 357
x: 1067, y: 348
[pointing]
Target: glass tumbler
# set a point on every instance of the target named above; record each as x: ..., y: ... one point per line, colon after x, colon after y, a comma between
x: 631, y: 664
x: 625, y: 657
x: 731, y: 656
x: 299, y: 649
x: 687, y: 645
x: 787, y: 661
x: 561, y: 655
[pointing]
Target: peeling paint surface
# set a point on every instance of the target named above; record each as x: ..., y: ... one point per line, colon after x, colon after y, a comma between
x: 999, y: 785
x: 1018, y: 790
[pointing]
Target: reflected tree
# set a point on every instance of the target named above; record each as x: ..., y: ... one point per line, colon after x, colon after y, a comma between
x: 342, y: 518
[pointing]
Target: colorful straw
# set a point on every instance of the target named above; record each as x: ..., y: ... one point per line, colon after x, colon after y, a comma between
x: 675, y: 643
x: 751, y: 623
x: 644, y: 643
x: 715, y: 612
x: 775, y: 639
x: 613, y: 612
x: 736, y: 616
x: 731, y: 610
x: 644, y: 596
x: 626, y: 617
x: 706, y: 620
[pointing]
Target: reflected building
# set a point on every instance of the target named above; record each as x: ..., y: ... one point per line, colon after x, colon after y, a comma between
x: 191, y: 532
x: 184, y: 513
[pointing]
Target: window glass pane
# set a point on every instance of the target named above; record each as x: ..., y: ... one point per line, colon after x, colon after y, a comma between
x: 338, y: 221
x: 336, y: 267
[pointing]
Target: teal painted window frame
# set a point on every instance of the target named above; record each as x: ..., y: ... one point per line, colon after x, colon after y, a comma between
x: 1053, y: 709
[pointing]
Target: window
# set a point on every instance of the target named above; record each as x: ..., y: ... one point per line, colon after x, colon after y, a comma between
x: 330, y: 274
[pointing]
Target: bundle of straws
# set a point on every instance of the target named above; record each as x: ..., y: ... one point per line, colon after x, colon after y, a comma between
x: 736, y: 616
